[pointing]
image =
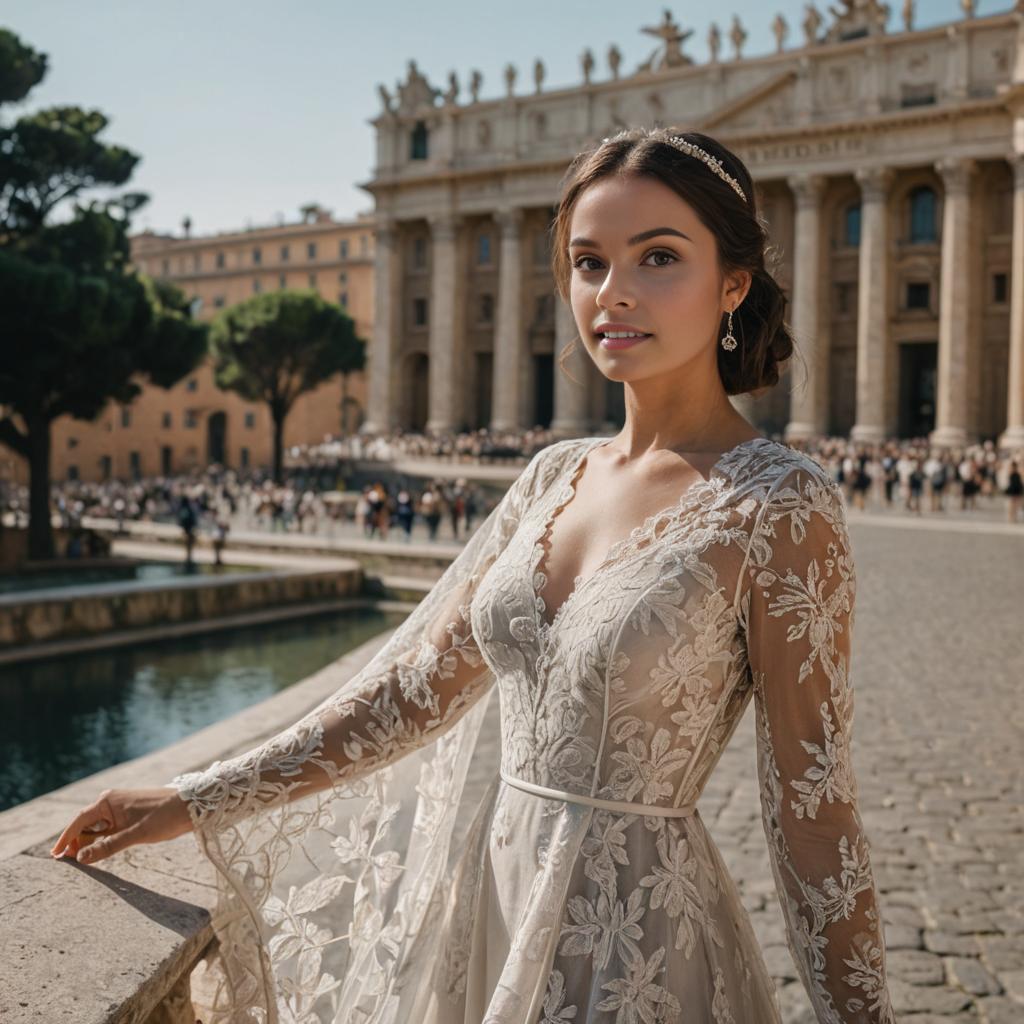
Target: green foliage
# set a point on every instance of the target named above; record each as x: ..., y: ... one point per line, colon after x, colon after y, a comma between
x: 77, y: 326
x: 21, y: 67
x: 274, y: 347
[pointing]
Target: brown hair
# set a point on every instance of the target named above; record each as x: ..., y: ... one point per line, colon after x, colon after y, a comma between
x: 764, y: 340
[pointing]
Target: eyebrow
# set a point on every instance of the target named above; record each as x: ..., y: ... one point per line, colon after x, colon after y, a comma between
x: 636, y: 239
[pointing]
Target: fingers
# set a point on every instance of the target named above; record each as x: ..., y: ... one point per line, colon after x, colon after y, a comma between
x: 109, y: 845
x: 96, y: 817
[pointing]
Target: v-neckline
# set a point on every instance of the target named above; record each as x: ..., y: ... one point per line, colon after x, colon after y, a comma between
x: 566, y: 494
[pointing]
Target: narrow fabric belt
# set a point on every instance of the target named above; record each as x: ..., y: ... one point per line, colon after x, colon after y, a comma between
x: 592, y: 801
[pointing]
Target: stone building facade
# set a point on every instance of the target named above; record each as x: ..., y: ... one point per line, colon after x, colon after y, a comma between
x: 194, y: 423
x: 889, y: 164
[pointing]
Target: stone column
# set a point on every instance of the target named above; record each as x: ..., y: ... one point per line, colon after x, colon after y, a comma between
x: 954, y: 303
x: 382, y: 399
x: 445, y: 371
x: 508, y: 335
x: 872, y: 304
x: 808, y: 403
x: 570, y: 418
x: 1013, y: 436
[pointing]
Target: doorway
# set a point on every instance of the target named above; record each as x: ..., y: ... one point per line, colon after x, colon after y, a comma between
x: 543, y: 389
x: 216, y: 437
x: 918, y: 375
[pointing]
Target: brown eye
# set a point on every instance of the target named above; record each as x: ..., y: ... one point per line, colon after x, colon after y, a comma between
x: 663, y: 252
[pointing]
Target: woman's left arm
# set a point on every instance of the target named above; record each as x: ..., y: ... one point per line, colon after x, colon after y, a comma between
x: 798, y: 613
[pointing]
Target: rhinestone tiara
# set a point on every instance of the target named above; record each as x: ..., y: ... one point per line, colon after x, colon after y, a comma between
x: 701, y: 154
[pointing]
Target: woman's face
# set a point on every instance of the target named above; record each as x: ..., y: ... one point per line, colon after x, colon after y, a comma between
x: 641, y: 257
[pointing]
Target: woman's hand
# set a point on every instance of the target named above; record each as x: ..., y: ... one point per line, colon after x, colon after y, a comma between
x: 120, y: 818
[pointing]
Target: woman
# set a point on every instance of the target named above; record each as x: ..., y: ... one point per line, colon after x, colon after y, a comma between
x: 626, y: 598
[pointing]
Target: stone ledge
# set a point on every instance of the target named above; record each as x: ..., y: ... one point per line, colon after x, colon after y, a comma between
x: 49, y: 616
x: 115, y: 943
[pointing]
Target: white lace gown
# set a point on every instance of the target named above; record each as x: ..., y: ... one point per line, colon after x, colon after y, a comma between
x: 586, y: 887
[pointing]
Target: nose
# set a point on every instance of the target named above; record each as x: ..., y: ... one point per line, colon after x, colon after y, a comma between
x: 615, y: 291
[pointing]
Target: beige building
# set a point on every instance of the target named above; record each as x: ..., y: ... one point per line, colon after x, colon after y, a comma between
x: 194, y: 423
x: 890, y: 166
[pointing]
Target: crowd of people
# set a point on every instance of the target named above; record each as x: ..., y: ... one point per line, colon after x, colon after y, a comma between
x: 317, y: 496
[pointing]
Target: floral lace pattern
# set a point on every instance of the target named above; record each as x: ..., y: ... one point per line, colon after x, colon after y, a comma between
x: 360, y: 878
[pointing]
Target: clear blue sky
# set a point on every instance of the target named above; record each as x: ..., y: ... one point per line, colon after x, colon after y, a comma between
x: 244, y: 110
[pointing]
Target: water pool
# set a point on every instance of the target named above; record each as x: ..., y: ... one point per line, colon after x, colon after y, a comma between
x: 65, y: 718
x: 146, y: 571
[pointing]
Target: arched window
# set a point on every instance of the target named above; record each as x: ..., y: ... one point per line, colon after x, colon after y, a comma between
x: 922, y: 215
x: 418, y: 140
x: 851, y: 224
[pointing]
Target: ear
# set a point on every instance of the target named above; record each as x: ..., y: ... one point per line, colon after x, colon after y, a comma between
x: 737, y: 284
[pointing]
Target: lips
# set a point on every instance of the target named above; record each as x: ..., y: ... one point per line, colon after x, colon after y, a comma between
x: 620, y: 343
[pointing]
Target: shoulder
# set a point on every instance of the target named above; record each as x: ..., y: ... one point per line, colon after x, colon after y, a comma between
x: 801, y: 506
x: 797, y: 475
x: 546, y: 465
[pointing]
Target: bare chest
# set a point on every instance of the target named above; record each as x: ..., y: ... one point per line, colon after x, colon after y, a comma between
x: 603, y: 511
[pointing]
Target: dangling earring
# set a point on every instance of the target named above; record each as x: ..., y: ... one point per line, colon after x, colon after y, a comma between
x: 729, y: 342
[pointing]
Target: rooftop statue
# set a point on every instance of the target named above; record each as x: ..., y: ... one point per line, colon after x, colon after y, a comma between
x: 670, y: 54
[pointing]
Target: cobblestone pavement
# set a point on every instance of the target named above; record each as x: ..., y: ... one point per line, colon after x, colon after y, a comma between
x: 938, y: 675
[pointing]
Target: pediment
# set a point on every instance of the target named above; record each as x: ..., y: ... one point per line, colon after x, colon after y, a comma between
x: 771, y: 103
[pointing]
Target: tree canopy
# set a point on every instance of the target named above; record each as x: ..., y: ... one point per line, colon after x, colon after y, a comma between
x: 78, y: 327
x: 276, y: 346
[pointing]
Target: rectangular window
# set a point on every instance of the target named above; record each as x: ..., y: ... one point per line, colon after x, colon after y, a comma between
x: 106, y: 466
x: 483, y: 249
x: 419, y: 253
x: 191, y: 419
x: 999, y: 287
x: 245, y: 457
x: 165, y: 421
x: 218, y: 302
x: 192, y: 384
x: 311, y: 250
x: 257, y: 255
x: 918, y: 295
x: 250, y: 420
x: 343, y: 277
x: 344, y: 249
x: 312, y: 280
x: 166, y: 267
x: 126, y: 416
x: 284, y: 253
x: 256, y: 286
x: 135, y: 464
x: 419, y: 312
x: 343, y: 299
x: 220, y: 261
x: 72, y: 472
x: 282, y: 281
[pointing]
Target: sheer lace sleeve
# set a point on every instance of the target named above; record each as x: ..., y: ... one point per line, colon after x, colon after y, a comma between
x: 334, y: 842
x: 413, y: 691
x: 799, y: 614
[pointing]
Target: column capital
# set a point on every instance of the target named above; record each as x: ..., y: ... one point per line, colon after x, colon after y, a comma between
x: 874, y: 183
x: 444, y: 225
x: 510, y: 220
x: 1016, y: 162
x: 956, y: 172
x: 808, y: 188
